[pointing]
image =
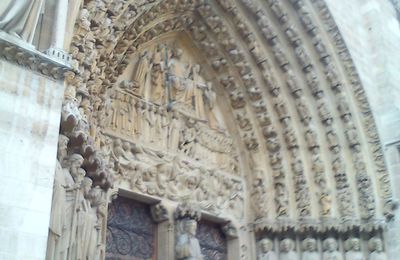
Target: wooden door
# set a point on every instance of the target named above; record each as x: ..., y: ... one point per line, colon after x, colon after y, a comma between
x: 131, y: 232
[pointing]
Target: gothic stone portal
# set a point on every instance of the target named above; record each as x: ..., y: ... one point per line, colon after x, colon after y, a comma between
x: 130, y: 231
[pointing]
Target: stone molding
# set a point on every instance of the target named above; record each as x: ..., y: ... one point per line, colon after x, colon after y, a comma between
x: 50, y: 64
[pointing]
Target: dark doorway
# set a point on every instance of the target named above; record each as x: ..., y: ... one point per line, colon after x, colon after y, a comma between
x: 212, y: 241
x: 131, y: 232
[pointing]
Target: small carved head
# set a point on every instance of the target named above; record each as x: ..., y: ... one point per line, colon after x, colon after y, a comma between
x: 309, y: 244
x: 62, y: 146
x: 196, y: 68
x: 117, y: 142
x: 75, y: 161
x: 86, y: 185
x: 330, y: 244
x: 266, y: 245
x: 375, y: 244
x: 126, y: 146
x: 286, y: 245
x: 178, y: 53
x: 352, y: 244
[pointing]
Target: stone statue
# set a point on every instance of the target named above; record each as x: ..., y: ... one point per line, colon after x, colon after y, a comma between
x: 281, y: 199
x: 157, y: 92
x: 376, y: 249
x: 187, y: 246
x: 62, y: 147
x: 210, y: 100
x: 258, y: 197
x: 67, y: 182
x: 353, y: 249
x: 20, y: 18
x: 177, y: 72
x: 266, y: 250
x: 287, y: 249
x: 194, y: 97
x: 331, y: 252
x: 309, y: 246
x: 174, y: 131
x: 123, y: 157
x: 141, y: 74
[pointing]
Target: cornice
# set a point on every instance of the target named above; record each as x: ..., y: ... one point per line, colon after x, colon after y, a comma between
x: 54, y: 63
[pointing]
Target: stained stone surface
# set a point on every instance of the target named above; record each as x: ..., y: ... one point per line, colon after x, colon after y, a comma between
x: 372, y: 33
x: 30, y: 106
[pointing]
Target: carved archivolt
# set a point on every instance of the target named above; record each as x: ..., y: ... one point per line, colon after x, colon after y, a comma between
x: 230, y: 105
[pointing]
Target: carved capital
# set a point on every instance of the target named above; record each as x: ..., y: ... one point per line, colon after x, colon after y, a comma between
x: 230, y: 230
x: 159, y: 212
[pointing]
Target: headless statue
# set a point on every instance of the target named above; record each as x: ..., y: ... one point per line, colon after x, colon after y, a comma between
x: 20, y: 17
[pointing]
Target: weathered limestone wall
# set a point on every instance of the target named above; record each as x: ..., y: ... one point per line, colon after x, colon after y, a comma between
x: 372, y: 33
x: 30, y: 108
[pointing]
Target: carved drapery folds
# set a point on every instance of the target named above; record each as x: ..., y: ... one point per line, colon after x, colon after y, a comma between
x: 20, y: 18
x: 78, y: 209
x: 81, y: 182
x: 187, y: 246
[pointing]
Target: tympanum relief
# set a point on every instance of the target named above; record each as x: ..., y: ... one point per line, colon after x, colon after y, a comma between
x: 163, y: 132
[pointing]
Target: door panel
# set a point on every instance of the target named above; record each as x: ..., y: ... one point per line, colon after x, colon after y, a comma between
x: 212, y: 241
x: 130, y: 231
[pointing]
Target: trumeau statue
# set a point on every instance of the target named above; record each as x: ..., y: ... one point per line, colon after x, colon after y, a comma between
x: 287, y: 248
x: 331, y: 252
x: 187, y: 245
x: 20, y: 18
x: 266, y: 247
x: 376, y: 249
x: 309, y: 246
x: 353, y: 249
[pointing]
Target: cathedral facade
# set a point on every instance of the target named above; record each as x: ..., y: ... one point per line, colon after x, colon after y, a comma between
x: 191, y: 129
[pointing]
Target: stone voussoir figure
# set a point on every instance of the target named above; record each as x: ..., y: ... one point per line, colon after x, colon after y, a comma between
x: 267, y: 252
x: 353, y: 249
x: 375, y: 246
x: 310, y: 250
x: 287, y: 249
x: 331, y: 252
